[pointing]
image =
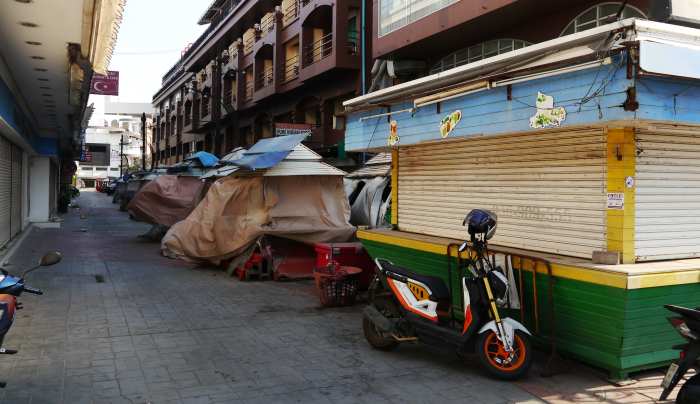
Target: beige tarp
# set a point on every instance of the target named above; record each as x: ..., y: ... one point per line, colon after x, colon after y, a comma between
x: 237, y: 211
x: 166, y: 200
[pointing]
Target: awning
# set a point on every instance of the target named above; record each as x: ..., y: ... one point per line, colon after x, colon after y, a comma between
x: 267, y: 153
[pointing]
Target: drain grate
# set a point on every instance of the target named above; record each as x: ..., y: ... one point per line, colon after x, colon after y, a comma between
x: 99, y: 278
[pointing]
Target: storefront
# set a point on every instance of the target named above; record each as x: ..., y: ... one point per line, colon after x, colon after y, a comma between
x: 587, y: 147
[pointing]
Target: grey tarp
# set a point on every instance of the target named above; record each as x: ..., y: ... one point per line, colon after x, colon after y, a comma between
x: 237, y: 211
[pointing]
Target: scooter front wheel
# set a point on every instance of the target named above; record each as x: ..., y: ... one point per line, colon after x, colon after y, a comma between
x: 494, y: 357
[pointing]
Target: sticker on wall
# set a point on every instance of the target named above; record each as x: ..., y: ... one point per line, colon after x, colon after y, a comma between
x: 616, y: 200
x: 449, y: 122
x: 393, y: 133
x: 547, y: 116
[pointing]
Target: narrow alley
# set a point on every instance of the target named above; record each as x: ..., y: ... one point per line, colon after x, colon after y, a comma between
x: 119, y: 323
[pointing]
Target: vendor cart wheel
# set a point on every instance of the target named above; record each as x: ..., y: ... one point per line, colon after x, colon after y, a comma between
x: 376, y: 338
x: 495, y: 359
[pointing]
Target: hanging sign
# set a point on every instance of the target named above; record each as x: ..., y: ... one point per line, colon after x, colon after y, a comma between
x: 449, y: 122
x: 393, y: 133
x: 616, y: 200
x: 105, y: 85
x: 284, y: 129
x: 547, y: 116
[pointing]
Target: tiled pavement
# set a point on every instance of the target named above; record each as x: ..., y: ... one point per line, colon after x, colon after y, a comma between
x: 119, y: 323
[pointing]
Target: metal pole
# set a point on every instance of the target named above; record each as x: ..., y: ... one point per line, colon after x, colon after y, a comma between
x: 143, y: 141
x: 121, y: 155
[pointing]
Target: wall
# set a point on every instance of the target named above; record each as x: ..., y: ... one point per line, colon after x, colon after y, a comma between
x: 39, y: 189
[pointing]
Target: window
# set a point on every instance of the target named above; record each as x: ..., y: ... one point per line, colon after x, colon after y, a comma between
x: 395, y: 14
x: 100, y: 168
x: 114, y: 169
x: 477, y: 52
x: 601, y: 14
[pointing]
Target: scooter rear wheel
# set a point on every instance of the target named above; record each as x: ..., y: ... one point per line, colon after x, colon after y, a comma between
x: 690, y: 391
x: 376, y: 338
x: 494, y: 357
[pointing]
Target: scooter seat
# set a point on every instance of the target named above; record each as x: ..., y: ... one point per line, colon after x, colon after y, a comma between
x: 436, y: 285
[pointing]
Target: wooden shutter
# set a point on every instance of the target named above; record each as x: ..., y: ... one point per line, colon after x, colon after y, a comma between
x: 667, y: 224
x: 548, y: 189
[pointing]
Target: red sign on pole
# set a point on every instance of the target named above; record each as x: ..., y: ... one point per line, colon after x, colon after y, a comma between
x: 105, y: 85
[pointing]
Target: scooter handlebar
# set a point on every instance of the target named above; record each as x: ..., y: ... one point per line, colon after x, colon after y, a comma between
x: 33, y: 291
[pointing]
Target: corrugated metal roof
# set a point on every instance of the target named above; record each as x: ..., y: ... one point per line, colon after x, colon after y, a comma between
x: 296, y: 168
x: 267, y: 153
x: 377, y: 166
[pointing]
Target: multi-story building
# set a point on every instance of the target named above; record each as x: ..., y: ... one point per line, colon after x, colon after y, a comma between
x: 113, y: 140
x: 262, y: 67
x: 49, y: 52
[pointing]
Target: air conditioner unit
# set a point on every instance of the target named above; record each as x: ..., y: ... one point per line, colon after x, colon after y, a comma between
x: 680, y: 12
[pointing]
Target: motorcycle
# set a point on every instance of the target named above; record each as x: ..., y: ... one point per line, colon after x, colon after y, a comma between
x: 11, y: 287
x: 406, y: 306
x: 688, y: 326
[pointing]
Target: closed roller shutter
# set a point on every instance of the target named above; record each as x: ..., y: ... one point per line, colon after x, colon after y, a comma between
x: 548, y: 189
x: 667, y: 193
x: 16, y: 210
x: 5, y: 190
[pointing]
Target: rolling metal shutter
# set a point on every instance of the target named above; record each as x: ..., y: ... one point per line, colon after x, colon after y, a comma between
x: 548, y: 189
x: 5, y: 190
x: 16, y: 210
x: 667, y: 224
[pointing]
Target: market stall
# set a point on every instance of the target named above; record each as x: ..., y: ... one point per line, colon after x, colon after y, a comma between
x: 591, y: 160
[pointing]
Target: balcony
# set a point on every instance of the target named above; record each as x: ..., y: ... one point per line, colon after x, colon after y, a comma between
x: 319, y: 50
x: 229, y: 99
x: 248, y: 90
x: 290, y: 12
x: 291, y: 69
x: 267, y: 23
x: 265, y: 77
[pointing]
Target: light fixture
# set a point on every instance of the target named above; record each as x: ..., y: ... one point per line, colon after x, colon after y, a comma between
x: 28, y: 24
x: 42, y: 79
x: 35, y: 43
x: 45, y: 88
x: 40, y: 69
x: 24, y: 1
x: 47, y: 95
x: 38, y: 57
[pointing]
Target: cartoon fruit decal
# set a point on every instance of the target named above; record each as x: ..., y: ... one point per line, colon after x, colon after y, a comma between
x: 449, y: 122
x: 393, y: 133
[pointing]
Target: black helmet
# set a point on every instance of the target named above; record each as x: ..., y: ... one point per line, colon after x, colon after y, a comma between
x: 481, y: 221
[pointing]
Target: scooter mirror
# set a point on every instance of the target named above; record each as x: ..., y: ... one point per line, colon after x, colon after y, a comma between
x: 51, y: 258
x: 463, y: 247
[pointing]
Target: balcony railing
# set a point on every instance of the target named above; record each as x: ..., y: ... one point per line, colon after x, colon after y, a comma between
x: 230, y: 94
x: 291, y: 69
x: 249, y: 88
x: 318, y: 50
x: 205, y: 107
x: 290, y: 13
x: 248, y: 45
x: 265, y: 78
x: 267, y: 23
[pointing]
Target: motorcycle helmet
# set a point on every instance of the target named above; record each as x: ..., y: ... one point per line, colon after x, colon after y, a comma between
x: 481, y: 221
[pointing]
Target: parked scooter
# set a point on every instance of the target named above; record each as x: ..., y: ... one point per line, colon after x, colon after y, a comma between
x: 405, y: 306
x: 688, y: 325
x: 11, y: 287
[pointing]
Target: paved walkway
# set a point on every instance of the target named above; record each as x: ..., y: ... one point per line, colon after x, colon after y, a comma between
x: 119, y: 323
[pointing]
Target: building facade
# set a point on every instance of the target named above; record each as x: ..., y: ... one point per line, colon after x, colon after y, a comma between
x: 46, y: 65
x: 260, y: 68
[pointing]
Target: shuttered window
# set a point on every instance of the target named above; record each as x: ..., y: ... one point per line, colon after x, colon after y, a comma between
x: 548, y: 189
x: 667, y: 193
x: 16, y: 209
x: 5, y: 190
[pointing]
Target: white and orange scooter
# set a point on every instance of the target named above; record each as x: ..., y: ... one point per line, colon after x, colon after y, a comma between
x: 406, y: 306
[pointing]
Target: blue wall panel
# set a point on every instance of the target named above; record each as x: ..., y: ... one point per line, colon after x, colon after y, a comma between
x: 489, y: 112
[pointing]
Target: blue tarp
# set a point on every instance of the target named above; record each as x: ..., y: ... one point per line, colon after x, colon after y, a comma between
x: 206, y: 159
x: 267, y: 153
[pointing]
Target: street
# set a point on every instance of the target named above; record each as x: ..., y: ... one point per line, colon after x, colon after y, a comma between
x: 119, y: 323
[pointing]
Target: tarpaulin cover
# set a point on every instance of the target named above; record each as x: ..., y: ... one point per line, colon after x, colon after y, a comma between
x: 267, y: 153
x: 166, y: 200
x: 237, y: 211
x: 206, y: 159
